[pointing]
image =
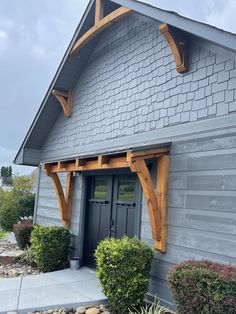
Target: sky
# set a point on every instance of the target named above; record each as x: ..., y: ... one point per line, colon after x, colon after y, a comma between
x: 33, y: 38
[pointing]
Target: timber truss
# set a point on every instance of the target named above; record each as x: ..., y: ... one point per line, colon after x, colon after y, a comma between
x: 101, y: 22
x: 154, y: 193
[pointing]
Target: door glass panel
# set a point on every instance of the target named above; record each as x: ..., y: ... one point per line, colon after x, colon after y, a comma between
x: 126, y: 190
x: 100, y: 189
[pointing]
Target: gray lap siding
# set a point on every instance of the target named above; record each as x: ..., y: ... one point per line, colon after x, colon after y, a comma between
x: 130, y: 94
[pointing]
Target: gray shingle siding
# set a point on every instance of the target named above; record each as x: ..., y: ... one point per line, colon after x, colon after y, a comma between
x: 130, y: 93
x: 131, y: 86
x: 202, y: 210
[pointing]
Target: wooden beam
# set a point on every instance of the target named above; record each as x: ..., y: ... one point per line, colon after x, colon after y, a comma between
x: 65, y: 100
x: 178, y: 43
x: 148, y: 154
x: 99, y: 27
x: 140, y: 167
x: 162, y: 198
x: 80, y: 163
x: 103, y: 160
x: 99, y: 11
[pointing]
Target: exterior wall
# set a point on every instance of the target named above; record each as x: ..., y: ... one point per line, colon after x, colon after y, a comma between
x: 202, y: 206
x: 130, y: 94
x: 130, y: 86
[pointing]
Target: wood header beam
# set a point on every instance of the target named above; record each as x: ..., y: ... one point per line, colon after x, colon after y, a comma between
x: 65, y: 100
x: 100, y: 25
x: 178, y: 43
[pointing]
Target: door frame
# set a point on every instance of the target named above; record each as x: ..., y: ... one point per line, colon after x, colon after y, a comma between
x: 83, y: 202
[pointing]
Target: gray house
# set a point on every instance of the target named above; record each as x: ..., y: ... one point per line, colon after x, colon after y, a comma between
x: 137, y: 135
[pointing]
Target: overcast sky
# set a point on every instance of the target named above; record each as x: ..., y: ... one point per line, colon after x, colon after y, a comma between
x: 33, y: 38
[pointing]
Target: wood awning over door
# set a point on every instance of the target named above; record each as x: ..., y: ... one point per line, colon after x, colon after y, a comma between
x: 155, y: 192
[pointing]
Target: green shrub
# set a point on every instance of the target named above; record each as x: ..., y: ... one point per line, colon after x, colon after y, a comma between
x: 123, y: 268
x: 203, y: 287
x: 22, y: 233
x: 9, y: 212
x: 26, y: 257
x: 50, y: 246
x: 26, y: 204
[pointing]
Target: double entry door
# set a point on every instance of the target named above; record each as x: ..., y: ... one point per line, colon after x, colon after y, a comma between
x: 111, y: 211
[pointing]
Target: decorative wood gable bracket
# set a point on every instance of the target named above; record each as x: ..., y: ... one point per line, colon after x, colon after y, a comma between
x: 64, y: 200
x: 101, y: 23
x: 65, y: 100
x: 178, y: 43
x: 156, y: 196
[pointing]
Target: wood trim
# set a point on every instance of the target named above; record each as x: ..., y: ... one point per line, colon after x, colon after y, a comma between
x: 139, y: 166
x: 69, y: 194
x: 100, y: 26
x: 135, y: 160
x: 99, y: 11
x: 162, y: 199
x: 64, y: 200
x: 65, y: 100
x: 60, y: 194
x: 178, y: 43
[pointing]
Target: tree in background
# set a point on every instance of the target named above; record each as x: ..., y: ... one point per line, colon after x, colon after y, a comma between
x: 6, y: 175
x: 17, y: 203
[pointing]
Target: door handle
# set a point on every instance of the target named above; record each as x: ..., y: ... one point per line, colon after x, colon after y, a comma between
x: 112, y: 228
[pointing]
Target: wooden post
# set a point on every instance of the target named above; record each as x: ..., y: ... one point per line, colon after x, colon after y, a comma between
x: 162, y: 198
x: 99, y: 11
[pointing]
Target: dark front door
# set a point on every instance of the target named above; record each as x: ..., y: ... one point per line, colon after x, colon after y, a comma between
x: 110, y: 212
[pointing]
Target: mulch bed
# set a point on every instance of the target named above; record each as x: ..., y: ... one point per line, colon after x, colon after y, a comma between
x: 10, y: 268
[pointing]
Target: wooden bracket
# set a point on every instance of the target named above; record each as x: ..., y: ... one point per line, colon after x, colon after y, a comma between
x: 178, y: 42
x: 65, y: 100
x: 139, y: 166
x: 64, y: 200
x: 156, y: 201
x: 101, y: 23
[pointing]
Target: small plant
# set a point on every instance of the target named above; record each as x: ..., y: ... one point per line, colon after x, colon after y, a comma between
x: 154, y: 308
x: 123, y: 267
x: 26, y: 257
x: 22, y: 232
x: 203, y: 287
x: 50, y: 246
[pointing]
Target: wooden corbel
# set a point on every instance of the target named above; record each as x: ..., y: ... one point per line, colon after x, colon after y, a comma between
x: 65, y: 100
x: 64, y: 199
x: 156, y: 200
x: 178, y: 42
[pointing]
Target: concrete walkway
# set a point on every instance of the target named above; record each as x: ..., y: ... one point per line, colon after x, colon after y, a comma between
x: 63, y: 288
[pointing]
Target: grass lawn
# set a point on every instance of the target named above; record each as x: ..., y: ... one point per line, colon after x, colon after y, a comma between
x: 3, y: 234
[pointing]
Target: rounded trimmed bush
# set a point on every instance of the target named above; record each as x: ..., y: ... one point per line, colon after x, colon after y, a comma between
x: 203, y: 287
x: 123, y: 267
x: 50, y: 247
